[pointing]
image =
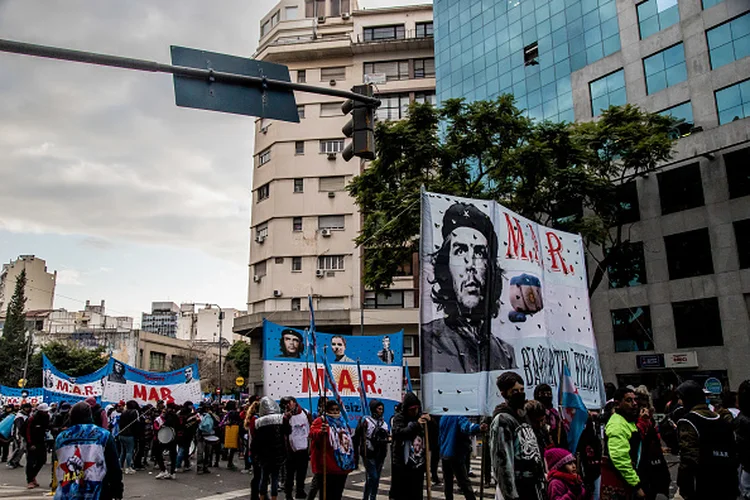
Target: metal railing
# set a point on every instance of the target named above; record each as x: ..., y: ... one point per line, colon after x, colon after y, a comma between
x: 399, y: 37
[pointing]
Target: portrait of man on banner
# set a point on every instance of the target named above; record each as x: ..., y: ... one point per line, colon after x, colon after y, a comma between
x: 291, y: 344
x: 466, y: 288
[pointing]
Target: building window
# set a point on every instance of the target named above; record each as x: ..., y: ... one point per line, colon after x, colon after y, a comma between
x: 426, y: 97
x: 296, y: 304
x: 335, y: 73
x: 301, y: 111
x: 424, y: 68
x: 265, y: 28
x: 299, y: 147
x: 742, y: 236
x: 628, y: 267
x: 331, y: 145
x: 291, y: 13
x: 531, y: 54
x: 301, y: 78
x: 629, y: 209
x: 733, y: 102
x: 157, y: 361
x: 632, y: 329
x: 264, y: 192
x: 697, y: 323
x: 689, y: 254
x: 377, y: 33
x: 393, y: 107
x: 261, y: 231
x: 297, y: 224
x: 707, y: 4
x: 384, y: 300
x: 335, y: 222
x: 278, y: 260
x: 329, y: 109
x: 299, y: 185
x: 424, y: 30
x: 331, y: 262
x: 665, y: 68
x: 410, y: 345
x: 656, y: 15
x: 608, y: 91
x: 264, y: 157
x: 680, y: 189
x: 275, y: 18
x: 729, y: 42
x: 333, y: 183
x: 393, y: 70
x: 296, y: 264
x: 259, y: 269
x: 682, y: 112
x: 738, y: 173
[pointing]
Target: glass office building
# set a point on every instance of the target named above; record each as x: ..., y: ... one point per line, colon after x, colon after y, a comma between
x: 683, y: 296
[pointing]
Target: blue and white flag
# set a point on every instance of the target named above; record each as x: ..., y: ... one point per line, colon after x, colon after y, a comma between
x: 59, y: 386
x: 573, y: 409
x: 407, y: 376
x: 362, y: 391
x: 330, y: 385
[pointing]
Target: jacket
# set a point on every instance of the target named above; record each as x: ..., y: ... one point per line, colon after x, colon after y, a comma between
x: 408, y: 437
x: 318, y: 448
x: 618, y: 435
x: 560, y: 487
x: 36, y: 428
x: 455, y: 432
x: 128, y: 423
x: 88, y: 466
x: 741, y: 427
x: 268, y: 445
x: 299, y: 429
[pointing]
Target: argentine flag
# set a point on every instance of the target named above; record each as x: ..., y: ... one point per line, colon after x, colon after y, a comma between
x: 574, y: 412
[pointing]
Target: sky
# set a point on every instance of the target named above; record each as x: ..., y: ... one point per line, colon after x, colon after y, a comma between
x: 128, y: 197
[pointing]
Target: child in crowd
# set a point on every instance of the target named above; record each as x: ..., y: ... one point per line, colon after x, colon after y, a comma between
x: 564, y: 483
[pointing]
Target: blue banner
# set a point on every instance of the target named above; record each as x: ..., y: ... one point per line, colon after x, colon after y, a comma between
x: 59, y: 386
x: 125, y: 382
x: 15, y: 396
x: 290, y: 370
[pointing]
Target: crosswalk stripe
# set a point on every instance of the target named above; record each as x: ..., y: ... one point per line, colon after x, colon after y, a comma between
x: 228, y: 495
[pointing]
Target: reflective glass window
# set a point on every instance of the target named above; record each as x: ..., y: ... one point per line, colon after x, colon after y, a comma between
x: 733, y: 102
x: 607, y: 91
x: 729, y: 42
x: 656, y: 15
x: 665, y: 68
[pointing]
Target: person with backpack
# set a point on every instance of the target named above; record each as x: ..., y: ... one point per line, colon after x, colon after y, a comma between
x: 708, y: 451
x: 19, y: 436
x: 372, y: 443
x: 455, y: 447
x: 409, y: 442
x: 331, y: 441
x: 205, y: 430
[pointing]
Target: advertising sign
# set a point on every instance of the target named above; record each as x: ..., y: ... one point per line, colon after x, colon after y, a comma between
x: 500, y: 292
x: 60, y: 387
x: 289, y: 367
x: 125, y: 382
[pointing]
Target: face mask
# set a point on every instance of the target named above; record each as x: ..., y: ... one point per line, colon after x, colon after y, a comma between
x: 517, y: 400
x: 546, y: 401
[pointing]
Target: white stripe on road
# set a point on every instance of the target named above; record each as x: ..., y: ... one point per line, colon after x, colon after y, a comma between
x: 229, y: 495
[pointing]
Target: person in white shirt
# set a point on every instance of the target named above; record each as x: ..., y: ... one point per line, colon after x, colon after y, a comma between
x: 375, y: 448
x: 298, y: 456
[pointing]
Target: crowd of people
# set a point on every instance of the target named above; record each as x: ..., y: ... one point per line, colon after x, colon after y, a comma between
x: 619, y: 456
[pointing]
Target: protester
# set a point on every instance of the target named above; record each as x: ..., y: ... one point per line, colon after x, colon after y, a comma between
x: 742, y: 433
x: 188, y: 425
x: 36, y: 446
x: 144, y: 440
x: 536, y: 414
x: 590, y: 453
x: 269, y: 445
x: 99, y: 414
x: 375, y: 448
x: 129, y: 424
x: 408, y: 433
x: 455, y: 447
x: 516, y: 459
x: 331, y: 441
x: 169, y: 419
x: 653, y: 470
x: 298, y: 420
x: 19, y: 435
x: 250, y: 419
x: 564, y: 481
x: 205, y: 430
x: 558, y: 428
x: 708, y: 452
x: 60, y: 422
x: 7, y: 412
x: 88, y: 464
x: 622, y: 442
x: 231, y: 424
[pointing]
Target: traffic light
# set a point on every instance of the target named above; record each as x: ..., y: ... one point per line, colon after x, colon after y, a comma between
x: 361, y: 127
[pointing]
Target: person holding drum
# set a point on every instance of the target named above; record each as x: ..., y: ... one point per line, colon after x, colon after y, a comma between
x: 165, y: 426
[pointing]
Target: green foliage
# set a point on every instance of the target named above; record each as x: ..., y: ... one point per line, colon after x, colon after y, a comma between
x: 561, y: 175
x: 13, y: 344
x: 239, y: 356
x: 69, y: 358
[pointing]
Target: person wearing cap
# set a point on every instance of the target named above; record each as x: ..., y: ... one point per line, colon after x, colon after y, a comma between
x: 708, y: 451
x: 564, y: 483
x: 36, y: 434
x: 466, y: 287
x: 291, y: 343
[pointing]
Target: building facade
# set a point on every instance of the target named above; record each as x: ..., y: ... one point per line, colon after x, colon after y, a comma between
x: 303, y: 221
x: 680, y: 308
x: 204, y: 324
x: 40, y: 285
x: 163, y: 319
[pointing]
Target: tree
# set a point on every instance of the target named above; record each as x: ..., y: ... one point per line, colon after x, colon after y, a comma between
x: 14, y: 344
x: 69, y: 358
x: 239, y: 357
x: 566, y: 176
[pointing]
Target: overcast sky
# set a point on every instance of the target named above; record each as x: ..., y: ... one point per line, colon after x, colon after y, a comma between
x: 130, y: 198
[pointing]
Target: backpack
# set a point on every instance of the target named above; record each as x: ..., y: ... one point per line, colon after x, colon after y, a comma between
x: 206, y: 426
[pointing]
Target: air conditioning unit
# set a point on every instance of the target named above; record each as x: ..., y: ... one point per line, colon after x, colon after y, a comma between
x: 331, y: 156
x: 277, y: 293
x: 325, y: 232
x: 331, y: 194
x: 264, y: 130
x: 319, y: 273
x: 321, y: 19
x: 256, y: 278
x: 345, y: 16
x: 260, y: 239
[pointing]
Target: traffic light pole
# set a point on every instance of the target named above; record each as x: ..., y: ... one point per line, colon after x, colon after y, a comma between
x: 31, y: 49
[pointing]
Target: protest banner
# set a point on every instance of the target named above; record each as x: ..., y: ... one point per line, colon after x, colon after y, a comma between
x: 15, y: 396
x: 499, y: 292
x: 59, y: 386
x: 289, y: 367
x: 125, y: 382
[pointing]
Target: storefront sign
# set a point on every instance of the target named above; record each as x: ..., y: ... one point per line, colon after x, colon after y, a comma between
x: 682, y: 359
x: 713, y: 385
x: 649, y: 361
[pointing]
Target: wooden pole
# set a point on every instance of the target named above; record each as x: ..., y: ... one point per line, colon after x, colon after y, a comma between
x: 427, y: 461
x: 325, y: 453
x: 481, y: 471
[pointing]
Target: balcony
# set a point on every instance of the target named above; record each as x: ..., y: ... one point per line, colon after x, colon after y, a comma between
x: 301, y: 40
x: 402, y: 41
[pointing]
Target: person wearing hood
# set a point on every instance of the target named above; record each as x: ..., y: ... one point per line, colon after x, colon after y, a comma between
x: 409, y: 438
x: 742, y: 432
x: 708, y: 452
x: 564, y: 481
x: 375, y: 448
x: 36, y: 445
x: 514, y: 450
x: 130, y: 428
x: 99, y: 414
x: 299, y: 421
x: 558, y: 428
x: 331, y: 441
x: 455, y: 448
x: 88, y: 464
x: 268, y: 445
x: 18, y: 435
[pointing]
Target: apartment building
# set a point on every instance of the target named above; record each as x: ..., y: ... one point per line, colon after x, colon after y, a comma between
x: 303, y: 221
x: 40, y: 284
x: 679, y: 307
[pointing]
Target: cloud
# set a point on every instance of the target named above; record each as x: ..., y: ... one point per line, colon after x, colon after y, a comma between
x: 69, y: 277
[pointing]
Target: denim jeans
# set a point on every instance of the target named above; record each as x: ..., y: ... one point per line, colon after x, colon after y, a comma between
x: 183, y: 455
x: 373, y: 468
x: 266, y: 474
x: 128, y: 445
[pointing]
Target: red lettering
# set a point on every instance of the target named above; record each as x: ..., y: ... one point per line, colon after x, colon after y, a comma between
x: 139, y: 392
x: 345, y: 381
x: 368, y: 380
x: 515, y: 239
x: 62, y: 386
x: 309, y: 382
x: 76, y: 390
x: 166, y: 394
x: 536, y: 254
x: 555, y: 252
x: 88, y: 390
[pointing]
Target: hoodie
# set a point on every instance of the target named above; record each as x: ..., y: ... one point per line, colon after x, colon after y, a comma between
x: 408, y: 436
x: 455, y: 436
x: 98, y: 413
x: 268, y: 445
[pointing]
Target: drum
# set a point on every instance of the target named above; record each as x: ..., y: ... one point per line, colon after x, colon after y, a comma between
x: 165, y: 435
x: 211, y: 439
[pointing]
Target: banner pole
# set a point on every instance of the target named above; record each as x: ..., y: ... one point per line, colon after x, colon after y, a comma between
x: 481, y: 470
x: 427, y: 462
x: 325, y: 438
x: 307, y: 367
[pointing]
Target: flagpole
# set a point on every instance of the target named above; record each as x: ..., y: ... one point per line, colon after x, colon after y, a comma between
x: 307, y: 366
x: 325, y: 419
x: 427, y: 462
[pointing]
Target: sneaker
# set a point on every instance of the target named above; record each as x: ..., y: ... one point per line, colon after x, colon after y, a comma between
x: 31, y: 485
x: 171, y: 476
x: 162, y: 475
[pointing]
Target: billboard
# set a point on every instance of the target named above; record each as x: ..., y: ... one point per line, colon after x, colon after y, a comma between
x: 289, y: 367
x: 499, y: 292
x: 125, y: 382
